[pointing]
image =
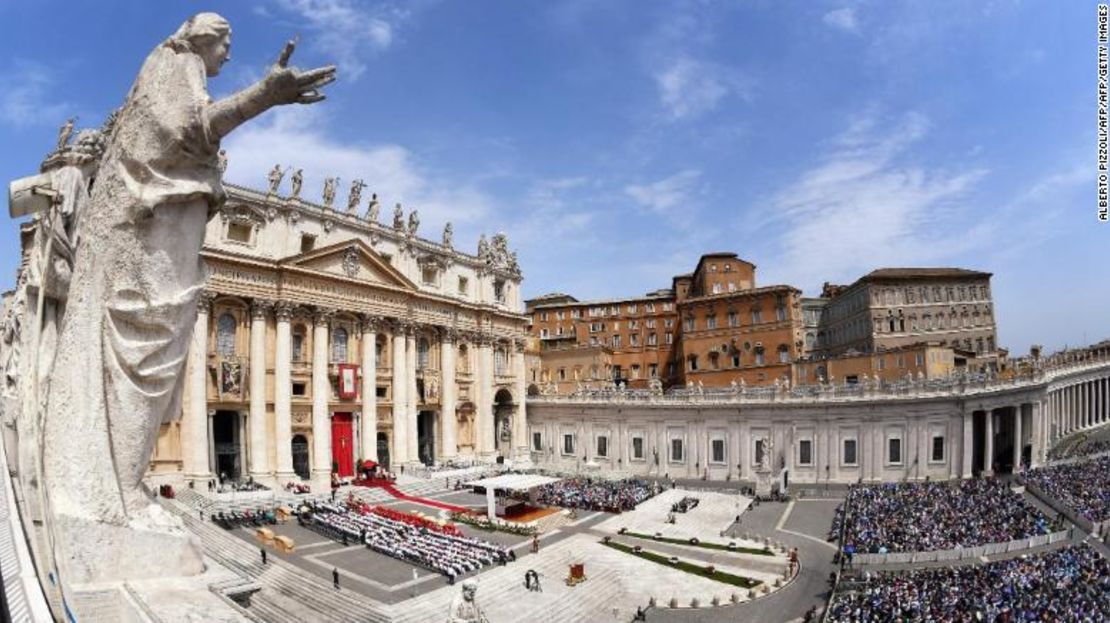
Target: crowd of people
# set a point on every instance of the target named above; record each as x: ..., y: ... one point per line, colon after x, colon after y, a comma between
x: 611, y: 496
x: 1071, y: 584
x: 1083, y: 487
x: 1085, y: 447
x: 927, y: 516
x: 297, y: 488
x: 446, y: 552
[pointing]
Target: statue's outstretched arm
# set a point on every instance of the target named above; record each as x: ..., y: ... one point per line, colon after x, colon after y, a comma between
x: 281, y: 85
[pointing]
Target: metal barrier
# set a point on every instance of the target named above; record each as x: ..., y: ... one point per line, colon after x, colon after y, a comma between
x: 962, y: 553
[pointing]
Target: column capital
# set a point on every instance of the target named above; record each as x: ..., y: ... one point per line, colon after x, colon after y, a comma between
x: 204, y: 301
x: 448, y: 335
x: 323, y: 316
x: 261, y: 308
x: 283, y: 311
x: 519, y: 345
x: 483, y: 339
x: 369, y: 324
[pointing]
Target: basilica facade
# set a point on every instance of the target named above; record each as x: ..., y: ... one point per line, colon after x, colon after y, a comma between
x: 325, y: 338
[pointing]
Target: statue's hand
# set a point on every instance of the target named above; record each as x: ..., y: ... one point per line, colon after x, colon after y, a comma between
x: 288, y: 85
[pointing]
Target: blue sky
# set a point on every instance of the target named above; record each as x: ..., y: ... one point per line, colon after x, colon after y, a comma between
x: 614, y: 142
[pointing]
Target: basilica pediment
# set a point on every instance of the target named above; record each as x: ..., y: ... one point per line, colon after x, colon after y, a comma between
x: 351, y: 259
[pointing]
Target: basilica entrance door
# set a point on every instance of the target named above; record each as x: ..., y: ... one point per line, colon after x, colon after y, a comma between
x: 343, y: 444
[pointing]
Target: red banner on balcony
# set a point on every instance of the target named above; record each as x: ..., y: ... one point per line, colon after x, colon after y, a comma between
x: 348, y: 381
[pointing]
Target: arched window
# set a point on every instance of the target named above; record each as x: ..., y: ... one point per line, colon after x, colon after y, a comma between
x: 225, y: 335
x: 298, y: 342
x: 339, y: 345
x: 422, y: 353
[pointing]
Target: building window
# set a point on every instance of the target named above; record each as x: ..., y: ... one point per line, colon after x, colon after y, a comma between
x: 780, y: 313
x: 805, y: 452
x: 634, y: 340
x: 692, y: 360
x: 537, y: 442
x: 938, y: 449
x: 653, y: 370
x: 464, y: 285
x: 422, y: 352
x: 225, y: 335
x: 300, y: 388
x: 733, y: 319
x: 668, y: 323
x: 308, y: 242
x: 562, y: 374
x: 499, y: 289
x: 652, y: 339
x: 635, y: 371
x: 500, y: 362
x: 638, y: 448
x: 711, y: 321
x: 568, y: 443
x: 298, y: 343
x: 759, y: 360
x: 736, y: 360
x: 239, y: 232
x: 632, y: 308
x: 718, y: 451
x: 919, y: 359
x: 850, y: 452
x: 689, y: 323
x: 339, y: 345
x: 668, y: 338
x: 676, y: 451
x: 784, y: 353
x: 603, y: 446
x: 894, y: 450
x: 757, y: 456
x: 616, y: 341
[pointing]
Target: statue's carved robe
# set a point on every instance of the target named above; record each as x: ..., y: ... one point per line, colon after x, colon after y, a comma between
x: 120, y: 367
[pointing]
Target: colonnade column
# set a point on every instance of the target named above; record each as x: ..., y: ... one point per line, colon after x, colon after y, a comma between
x: 195, y: 422
x: 283, y: 393
x: 399, y: 387
x: 448, y: 396
x: 1036, y: 437
x: 369, y: 433
x: 968, y: 443
x: 484, y: 409
x: 321, y: 392
x: 259, y: 454
x: 412, y: 395
x: 988, y: 443
x: 1017, y: 439
x: 520, y: 422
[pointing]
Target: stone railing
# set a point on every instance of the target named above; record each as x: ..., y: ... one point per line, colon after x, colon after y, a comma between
x: 962, y: 553
x: 959, y: 385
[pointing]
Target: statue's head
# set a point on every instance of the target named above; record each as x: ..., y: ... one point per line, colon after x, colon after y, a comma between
x: 207, y: 35
x: 469, y: 588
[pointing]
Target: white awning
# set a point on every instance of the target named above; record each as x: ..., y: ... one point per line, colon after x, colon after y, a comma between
x: 513, y: 482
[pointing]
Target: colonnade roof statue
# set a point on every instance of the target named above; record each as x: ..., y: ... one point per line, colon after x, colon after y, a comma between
x: 137, y: 275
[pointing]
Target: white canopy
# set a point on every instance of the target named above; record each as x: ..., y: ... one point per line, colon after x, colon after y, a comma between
x: 513, y: 482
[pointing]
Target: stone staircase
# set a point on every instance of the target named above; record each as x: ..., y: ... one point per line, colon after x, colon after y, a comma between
x: 288, y: 594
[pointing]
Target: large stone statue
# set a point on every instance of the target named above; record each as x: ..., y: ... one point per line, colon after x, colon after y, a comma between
x: 275, y: 177
x: 355, y: 197
x: 448, y: 235
x: 398, y: 217
x: 296, y: 180
x: 372, y: 209
x: 132, y: 305
x: 65, y: 132
x: 464, y: 607
x: 330, y: 185
x: 414, y: 223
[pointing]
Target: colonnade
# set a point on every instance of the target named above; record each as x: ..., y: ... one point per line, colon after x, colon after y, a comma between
x: 405, y: 400
x: 1078, y: 405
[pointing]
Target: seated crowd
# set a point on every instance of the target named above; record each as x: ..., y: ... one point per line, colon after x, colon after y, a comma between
x: 1084, y: 487
x: 1085, y: 447
x: 1071, y: 584
x: 611, y: 496
x: 446, y: 552
x: 927, y: 516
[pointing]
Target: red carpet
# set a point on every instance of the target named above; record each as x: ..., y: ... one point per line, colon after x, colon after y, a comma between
x: 401, y: 495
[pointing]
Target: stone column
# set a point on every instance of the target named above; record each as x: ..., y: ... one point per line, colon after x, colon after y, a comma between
x: 968, y: 445
x: 321, y: 394
x: 448, y: 396
x: 413, y: 396
x: 283, y: 394
x: 484, y: 440
x: 1036, y: 436
x: 369, y: 433
x: 520, y: 422
x: 194, y: 428
x: 988, y: 443
x: 1017, y: 438
x: 399, y: 387
x: 259, y: 454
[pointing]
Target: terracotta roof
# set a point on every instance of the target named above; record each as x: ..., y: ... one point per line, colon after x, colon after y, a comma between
x: 922, y: 273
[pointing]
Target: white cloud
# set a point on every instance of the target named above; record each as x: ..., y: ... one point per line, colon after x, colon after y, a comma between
x: 667, y: 193
x: 346, y: 30
x: 864, y: 206
x: 25, y: 100
x: 689, y: 88
x: 842, y: 19
x: 296, y: 136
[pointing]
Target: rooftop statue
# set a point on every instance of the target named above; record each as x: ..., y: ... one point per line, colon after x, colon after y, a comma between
x: 448, y: 235
x: 329, y: 190
x: 398, y: 217
x: 120, y: 366
x: 414, y: 222
x: 355, y: 196
x: 65, y: 132
x: 372, y: 209
x: 296, y: 180
x: 275, y: 177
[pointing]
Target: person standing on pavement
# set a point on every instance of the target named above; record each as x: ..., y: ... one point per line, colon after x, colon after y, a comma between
x: 335, y: 577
